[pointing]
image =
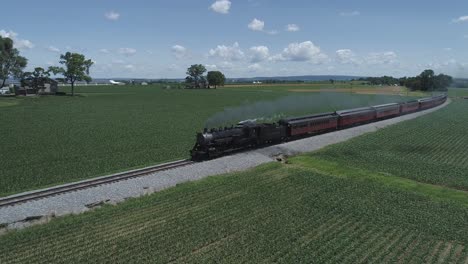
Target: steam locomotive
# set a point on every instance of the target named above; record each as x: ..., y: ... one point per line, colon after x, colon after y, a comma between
x: 248, y: 134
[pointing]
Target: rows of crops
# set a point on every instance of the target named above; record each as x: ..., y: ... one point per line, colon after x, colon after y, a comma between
x: 430, y: 149
x: 283, y: 213
x: 51, y: 140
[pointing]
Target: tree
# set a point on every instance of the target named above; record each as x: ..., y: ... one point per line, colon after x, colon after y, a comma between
x: 427, y: 80
x: 195, y: 78
x: 36, y: 79
x: 76, y: 68
x: 11, y: 63
x: 216, y: 78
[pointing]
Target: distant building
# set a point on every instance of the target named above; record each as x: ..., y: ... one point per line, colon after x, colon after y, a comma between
x: 50, y: 86
x: 144, y: 83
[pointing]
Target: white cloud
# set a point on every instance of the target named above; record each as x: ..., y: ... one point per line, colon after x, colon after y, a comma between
x: 23, y: 44
x: 350, y: 13
x: 381, y: 57
x: 112, y: 15
x: 211, y: 66
x: 221, y: 6
x: 230, y: 53
x: 118, y: 62
x: 259, y: 53
x: 18, y: 43
x: 226, y: 65
x: 346, y: 56
x: 448, y: 49
x: 53, y: 49
x: 104, y: 51
x: 129, y: 67
x: 254, y: 67
x: 460, y: 19
x: 179, y: 51
x: 127, y: 51
x: 292, y: 28
x: 256, y: 25
x: 305, y: 51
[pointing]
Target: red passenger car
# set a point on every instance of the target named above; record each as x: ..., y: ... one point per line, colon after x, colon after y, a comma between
x: 311, y: 124
x: 386, y: 110
x: 355, y: 116
x: 409, y: 107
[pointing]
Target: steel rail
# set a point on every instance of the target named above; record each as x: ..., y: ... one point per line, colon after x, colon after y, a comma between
x: 40, y: 194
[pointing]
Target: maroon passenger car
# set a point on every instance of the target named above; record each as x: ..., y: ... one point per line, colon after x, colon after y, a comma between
x: 310, y: 124
x: 355, y: 116
x: 387, y: 110
x: 409, y: 107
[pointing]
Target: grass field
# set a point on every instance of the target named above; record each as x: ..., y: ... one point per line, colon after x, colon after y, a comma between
x: 51, y: 140
x: 314, y: 209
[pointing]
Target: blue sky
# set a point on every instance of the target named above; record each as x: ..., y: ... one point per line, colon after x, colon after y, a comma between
x: 244, y: 38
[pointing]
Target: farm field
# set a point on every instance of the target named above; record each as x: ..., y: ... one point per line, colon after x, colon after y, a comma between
x: 458, y: 92
x: 429, y: 149
x: 105, y: 129
x: 315, y: 208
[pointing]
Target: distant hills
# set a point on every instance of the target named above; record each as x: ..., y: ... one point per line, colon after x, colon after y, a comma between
x: 305, y: 78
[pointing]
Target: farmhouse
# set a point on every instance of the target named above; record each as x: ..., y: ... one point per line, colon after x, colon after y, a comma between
x: 49, y: 86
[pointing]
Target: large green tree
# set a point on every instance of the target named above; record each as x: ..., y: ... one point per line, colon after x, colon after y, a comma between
x: 427, y: 80
x: 195, y: 78
x: 36, y: 79
x: 76, y: 68
x: 215, y: 78
x: 11, y: 63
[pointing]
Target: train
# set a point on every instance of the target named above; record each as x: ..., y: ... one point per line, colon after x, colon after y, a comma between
x: 212, y: 143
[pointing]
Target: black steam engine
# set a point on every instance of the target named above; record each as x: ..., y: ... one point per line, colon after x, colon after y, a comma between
x: 248, y: 134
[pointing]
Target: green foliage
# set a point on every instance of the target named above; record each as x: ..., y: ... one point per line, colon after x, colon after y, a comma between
x: 384, y: 80
x: 216, y: 78
x: 195, y: 78
x: 11, y: 63
x: 76, y: 68
x: 36, y: 79
x: 108, y: 129
x: 430, y: 149
x: 426, y: 81
x: 274, y: 213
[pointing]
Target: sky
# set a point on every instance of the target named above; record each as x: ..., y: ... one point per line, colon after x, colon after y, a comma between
x: 244, y: 38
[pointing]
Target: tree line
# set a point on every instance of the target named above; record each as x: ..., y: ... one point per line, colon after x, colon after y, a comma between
x: 426, y: 81
x: 197, y: 80
x: 75, y: 67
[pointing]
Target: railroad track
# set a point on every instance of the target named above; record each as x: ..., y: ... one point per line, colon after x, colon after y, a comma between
x: 36, y: 195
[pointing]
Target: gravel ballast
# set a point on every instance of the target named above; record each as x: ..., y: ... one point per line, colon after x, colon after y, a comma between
x: 76, y: 202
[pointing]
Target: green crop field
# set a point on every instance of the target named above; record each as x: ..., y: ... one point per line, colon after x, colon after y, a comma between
x: 51, y: 140
x: 431, y: 149
x: 329, y: 206
x: 284, y: 213
x: 458, y: 92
